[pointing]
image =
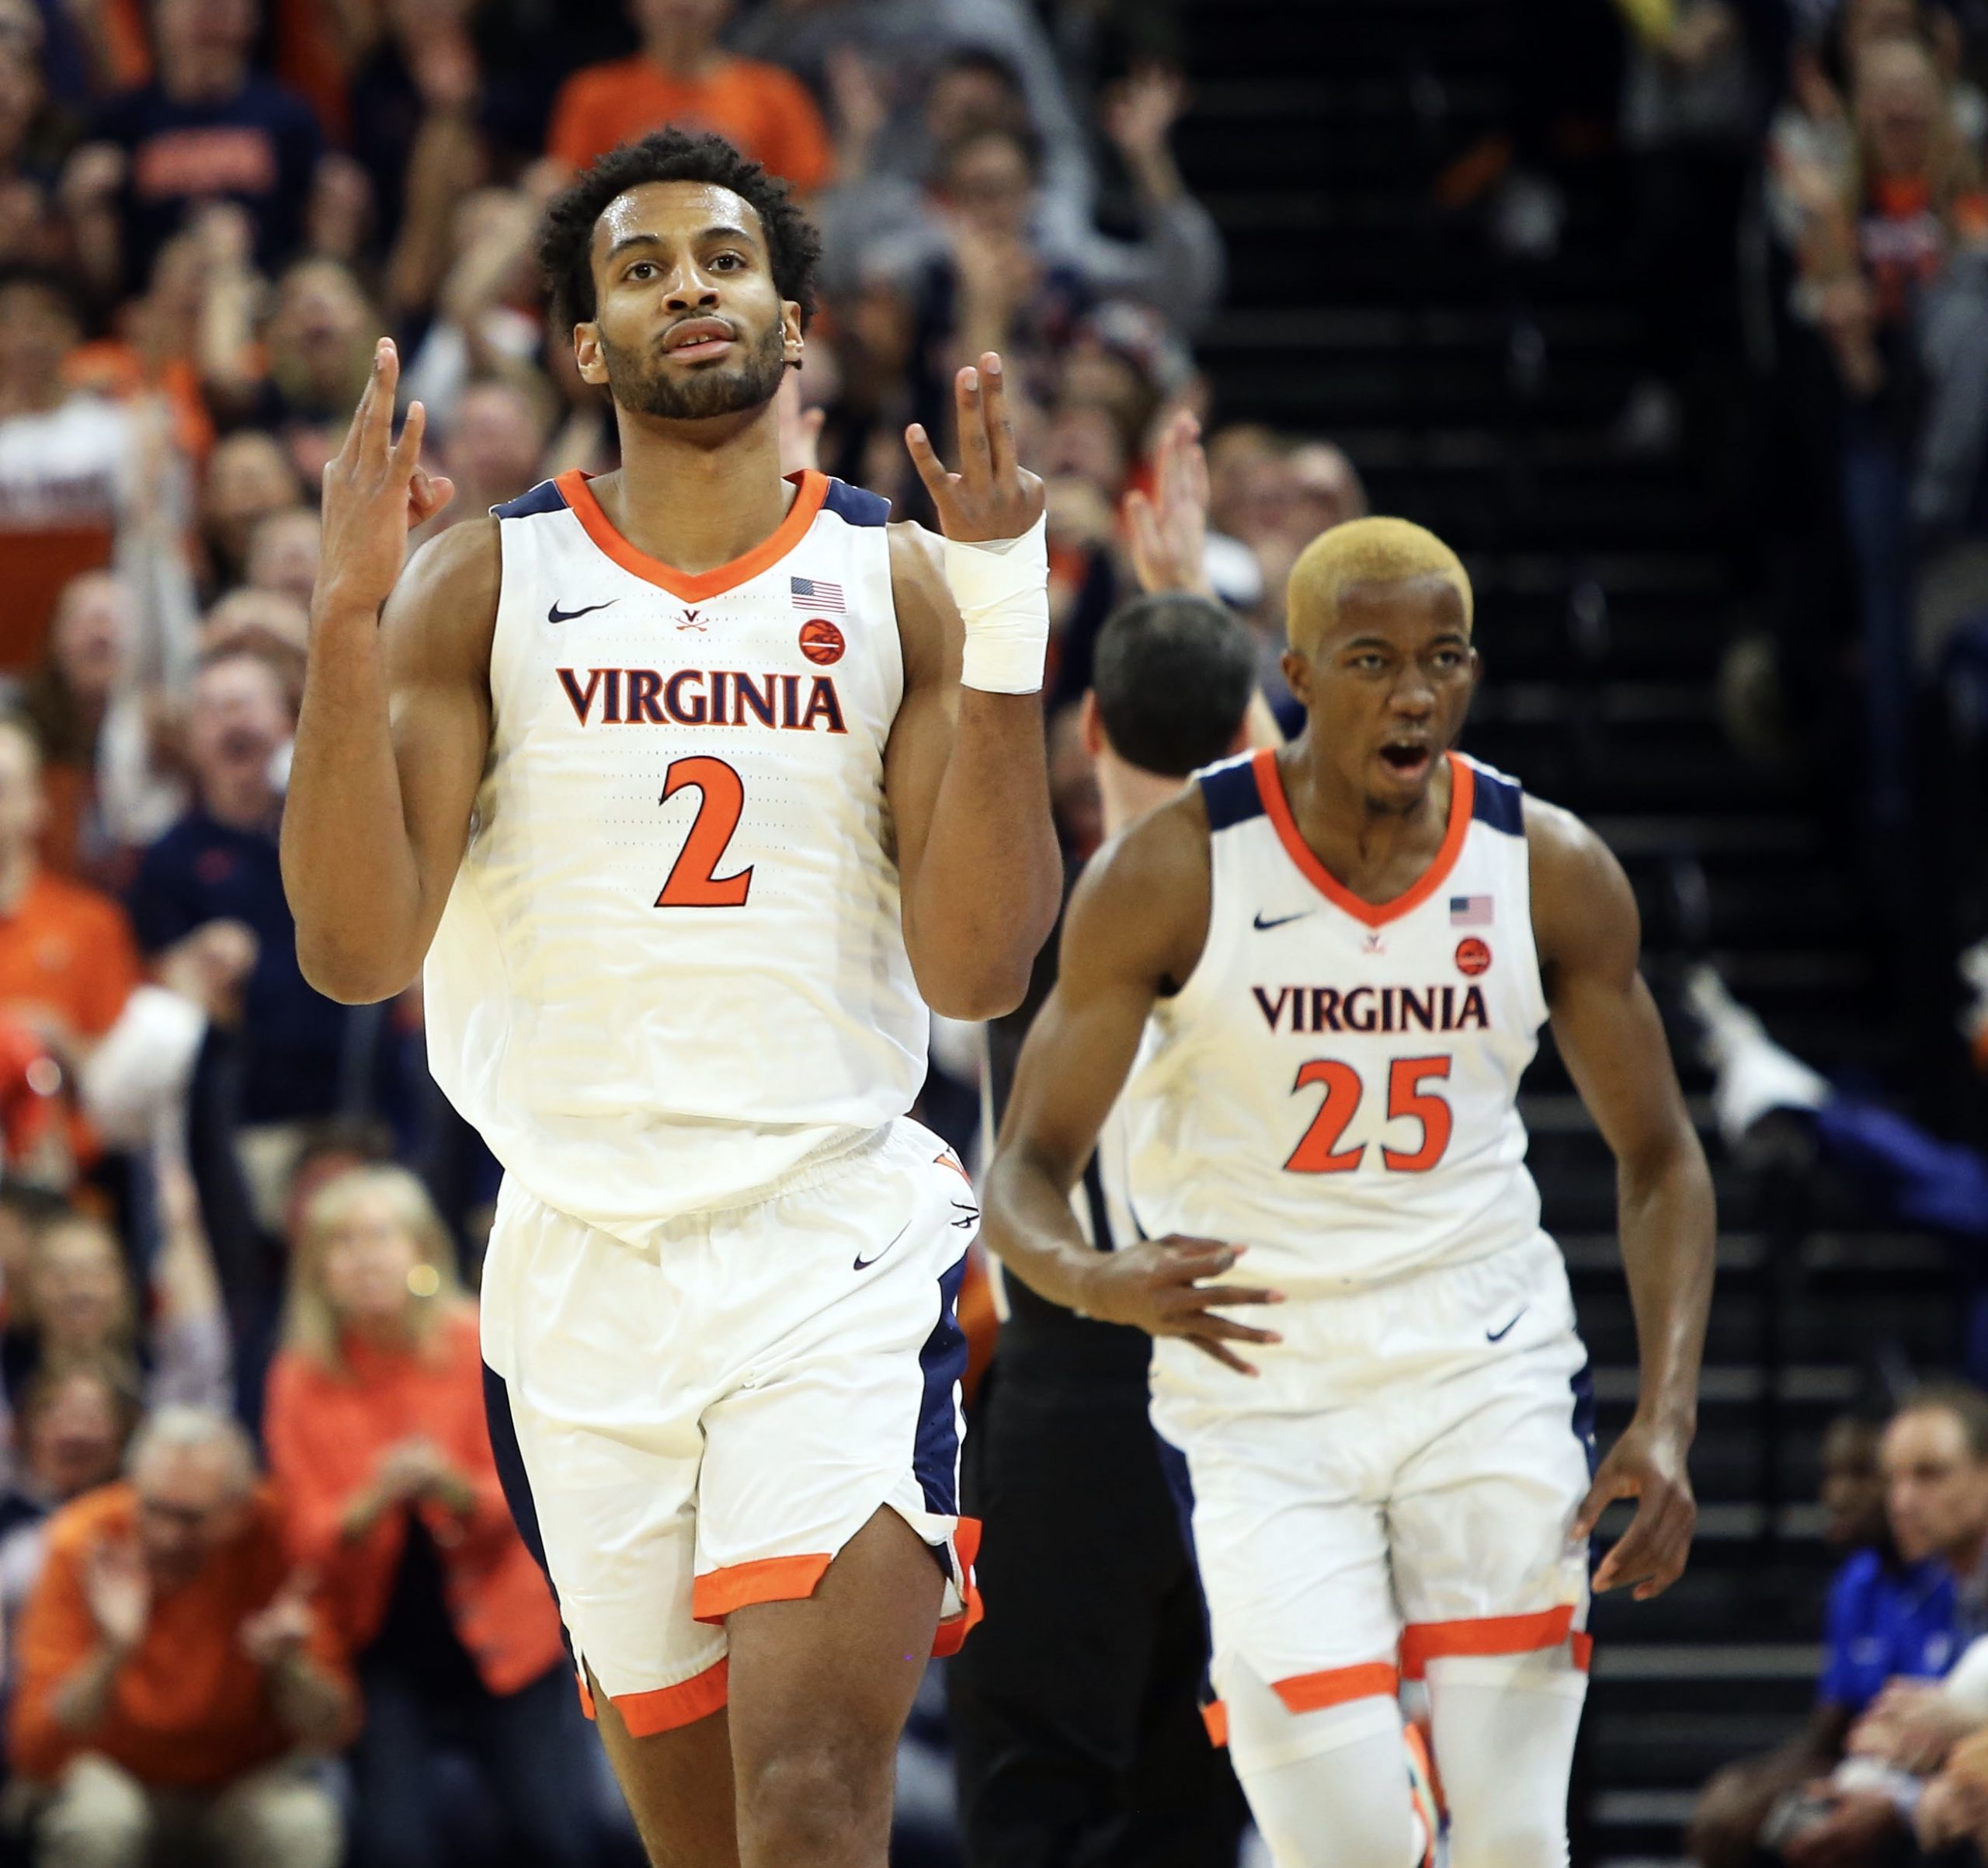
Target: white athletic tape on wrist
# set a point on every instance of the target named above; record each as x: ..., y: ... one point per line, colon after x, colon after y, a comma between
x: 1001, y: 587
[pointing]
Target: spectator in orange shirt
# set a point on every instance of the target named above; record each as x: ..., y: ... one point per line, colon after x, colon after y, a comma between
x: 173, y: 1673
x: 376, y: 1430
x: 67, y: 959
x: 681, y: 76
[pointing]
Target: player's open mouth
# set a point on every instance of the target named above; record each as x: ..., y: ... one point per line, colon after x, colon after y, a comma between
x: 1406, y: 758
x: 697, y: 337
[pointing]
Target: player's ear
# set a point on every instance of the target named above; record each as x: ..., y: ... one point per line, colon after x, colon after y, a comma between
x: 792, y: 341
x: 1297, y: 676
x: 587, y: 354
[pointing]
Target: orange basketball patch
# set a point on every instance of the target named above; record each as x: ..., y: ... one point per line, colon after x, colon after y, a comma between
x: 1472, y: 957
x: 821, y: 641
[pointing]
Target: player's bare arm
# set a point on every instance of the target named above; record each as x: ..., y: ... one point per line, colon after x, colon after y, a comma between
x: 395, y: 727
x: 1611, y: 1039
x: 1135, y: 928
x: 966, y: 771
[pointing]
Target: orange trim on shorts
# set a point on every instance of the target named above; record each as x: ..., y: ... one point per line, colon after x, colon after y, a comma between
x: 1422, y: 1642
x: 768, y: 1579
x: 1277, y: 807
x: 1215, y: 1716
x: 667, y: 1707
x: 951, y: 1632
x: 811, y: 489
x: 1310, y: 1692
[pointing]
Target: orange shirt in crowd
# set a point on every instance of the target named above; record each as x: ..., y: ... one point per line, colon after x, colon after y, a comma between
x: 189, y: 1709
x: 767, y: 112
x: 68, y: 948
x: 326, y: 1429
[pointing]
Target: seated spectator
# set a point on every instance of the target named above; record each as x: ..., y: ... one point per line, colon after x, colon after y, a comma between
x: 1883, y: 1613
x: 283, y: 555
x: 682, y: 77
x: 75, y: 1422
x: 493, y: 448
x: 375, y: 1429
x: 219, y: 862
x: 68, y: 961
x: 249, y: 476
x: 85, y: 480
x: 1934, y: 1458
x: 173, y: 1670
x: 207, y: 128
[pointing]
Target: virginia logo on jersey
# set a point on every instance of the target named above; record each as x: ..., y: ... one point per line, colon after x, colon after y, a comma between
x: 1373, y: 1008
x: 699, y: 697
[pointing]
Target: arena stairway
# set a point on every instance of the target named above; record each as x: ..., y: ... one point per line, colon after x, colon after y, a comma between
x: 1482, y: 396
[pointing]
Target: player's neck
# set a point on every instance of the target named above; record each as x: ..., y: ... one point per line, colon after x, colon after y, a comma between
x: 1125, y: 791
x: 694, y: 494
x: 1359, y: 841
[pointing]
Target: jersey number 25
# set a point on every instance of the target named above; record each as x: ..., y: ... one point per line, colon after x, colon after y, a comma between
x: 1318, y: 1151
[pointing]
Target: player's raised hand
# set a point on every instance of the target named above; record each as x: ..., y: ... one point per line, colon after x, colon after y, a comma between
x: 1167, y: 530
x: 1156, y: 1286
x: 1646, y: 1464
x: 376, y: 492
x: 993, y: 495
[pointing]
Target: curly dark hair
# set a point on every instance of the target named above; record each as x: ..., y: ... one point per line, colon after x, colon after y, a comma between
x: 565, y: 244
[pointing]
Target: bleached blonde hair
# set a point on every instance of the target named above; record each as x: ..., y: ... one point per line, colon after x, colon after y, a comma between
x: 309, y: 1324
x: 1363, y: 551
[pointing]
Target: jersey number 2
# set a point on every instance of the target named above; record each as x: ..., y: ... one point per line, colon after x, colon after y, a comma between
x: 1318, y: 1150
x: 694, y: 882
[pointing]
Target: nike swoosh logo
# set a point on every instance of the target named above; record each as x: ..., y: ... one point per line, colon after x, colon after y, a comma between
x: 555, y: 614
x: 1498, y: 1336
x: 863, y: 1264
x: 1264, y: 927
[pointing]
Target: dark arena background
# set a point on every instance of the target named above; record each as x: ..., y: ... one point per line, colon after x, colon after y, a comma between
x: 1671, y: 316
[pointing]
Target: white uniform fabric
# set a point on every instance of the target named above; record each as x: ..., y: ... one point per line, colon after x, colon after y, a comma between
x: 672, y: 972
x: 1334, y: 1088
x: 704, y: 1422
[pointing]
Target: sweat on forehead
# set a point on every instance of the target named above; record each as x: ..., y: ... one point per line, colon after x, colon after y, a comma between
x: 1361, y: 551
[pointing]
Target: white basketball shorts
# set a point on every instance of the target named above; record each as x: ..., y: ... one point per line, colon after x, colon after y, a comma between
x: 1398, y: 1484
x: 689, y: 1429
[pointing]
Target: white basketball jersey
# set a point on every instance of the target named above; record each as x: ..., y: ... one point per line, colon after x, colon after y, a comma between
x: 1335, y: 1086
x: 671, y: 975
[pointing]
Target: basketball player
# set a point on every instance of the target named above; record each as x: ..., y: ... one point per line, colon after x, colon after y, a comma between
x: 1318, y: 977
x: 690, y: 782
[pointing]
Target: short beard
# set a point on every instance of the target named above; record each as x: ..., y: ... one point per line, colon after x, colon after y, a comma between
x: 696, y: 398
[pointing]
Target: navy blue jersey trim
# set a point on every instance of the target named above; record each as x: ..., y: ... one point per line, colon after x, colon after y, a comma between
x: 855, y: 504
x: 545, y: 497
x: 1230, y: 794
x: 1498, y: 803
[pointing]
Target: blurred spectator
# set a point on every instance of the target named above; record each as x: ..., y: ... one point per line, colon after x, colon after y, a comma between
x: 83, y: 480
x: 249, y: 476
x: 1886, y: 1617
x: 273, y: 626
x: 219, y: 863
x: 1934, y: 1458
x: 493, y: 448
x: 487, y: 320
x: 206, y: 128
x: 74, y: 1420
x: 283, y: 555
x: 31, y: 143
x: 67, y: 961
x: 682, y: 76
x: 939, y: 68
x: 172, y: 1667
x: 375, y: 1429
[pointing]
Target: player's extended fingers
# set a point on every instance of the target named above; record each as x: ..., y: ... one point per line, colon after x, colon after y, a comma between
x: 1212, y: 1323
x: 938, y: 481
x: 1636, y: 1553
x: 375, y: 419
x: 404, y: 462
x: 1227, y: 1357
x: 976, y: 455
x: 997, y: 417
x: 1207, y: 1297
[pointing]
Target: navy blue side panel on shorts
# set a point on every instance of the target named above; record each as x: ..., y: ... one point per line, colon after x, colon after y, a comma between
x: 1180, y: 1482
x: 511, y: 1468
x: 936, y: 1452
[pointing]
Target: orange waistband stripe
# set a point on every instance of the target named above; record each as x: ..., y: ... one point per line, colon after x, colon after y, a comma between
x: 1422, y: 1642
x: 667, y: 1707
x: 1306, y: 1693
x: 768, y: 1579
x: 1215, y: 1716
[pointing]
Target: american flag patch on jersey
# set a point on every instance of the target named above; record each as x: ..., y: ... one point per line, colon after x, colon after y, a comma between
x: 815, y: 593
x: 1470, y: 911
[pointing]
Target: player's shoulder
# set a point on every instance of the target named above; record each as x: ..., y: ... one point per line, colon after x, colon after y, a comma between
x: 446, y: 601
x: 1563, y: 847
